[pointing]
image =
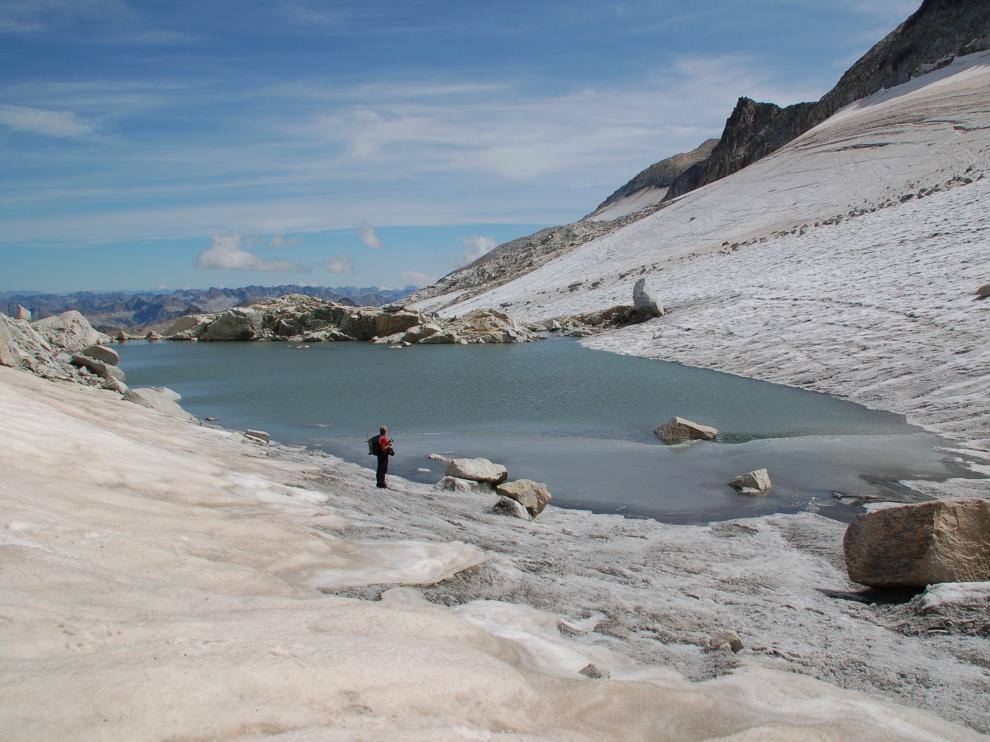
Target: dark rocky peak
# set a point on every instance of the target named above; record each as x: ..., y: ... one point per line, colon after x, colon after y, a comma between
x: 936, y: 33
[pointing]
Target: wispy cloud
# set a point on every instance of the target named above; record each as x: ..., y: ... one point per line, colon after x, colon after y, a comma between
x: 100, y: 21
x: 418, y: 279
x: 370, y: 237
x: 475, y: 246
x: 61, y: 124
x: 225, y: 252
x: 340, y: 264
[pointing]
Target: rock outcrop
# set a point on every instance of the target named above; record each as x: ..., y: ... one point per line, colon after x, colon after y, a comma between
x: 534, y: 496
x: 756, y: 482
x: 679, y: 430
x: 69, y: 331
x: 50, y: 352
x: 477, y: 470
x: 922, y: 544
x: 301, y: 318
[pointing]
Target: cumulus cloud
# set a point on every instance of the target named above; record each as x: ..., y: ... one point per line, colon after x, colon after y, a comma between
x: 225, y: 251
x: 369, y: 237
x: 61, y: 124
x: 340, y: 264
x: 475, y: 246
x: 418, y: 279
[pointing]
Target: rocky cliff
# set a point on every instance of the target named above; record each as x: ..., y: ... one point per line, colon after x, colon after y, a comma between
x: 939, y: 31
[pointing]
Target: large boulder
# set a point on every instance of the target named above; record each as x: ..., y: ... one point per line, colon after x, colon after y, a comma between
x: 69, y: 332
x: 477, y: 470
x: 921, y: 544
x: 983, y: 292
x: 756, y: 482
x: 22, y: 312
x: 158, y: 398
x: 102, y: 353
x: 533, y: 496
x: 239, y: 323
x: 679, y: 430
x: 645, y: 302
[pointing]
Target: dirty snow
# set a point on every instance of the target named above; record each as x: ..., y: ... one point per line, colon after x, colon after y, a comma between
x: 158, y: 581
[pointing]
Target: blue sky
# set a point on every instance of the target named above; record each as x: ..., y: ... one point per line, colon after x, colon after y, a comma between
x: 173, y: 143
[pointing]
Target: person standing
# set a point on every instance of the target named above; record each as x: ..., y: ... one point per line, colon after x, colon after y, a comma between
x: 385, y: 448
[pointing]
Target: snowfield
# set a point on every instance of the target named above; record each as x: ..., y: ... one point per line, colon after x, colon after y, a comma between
x: 163, y: 580
x: 845, y: 262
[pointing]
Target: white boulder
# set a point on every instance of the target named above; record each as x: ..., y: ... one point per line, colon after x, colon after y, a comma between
x: 258, y: 435
x: 477, y: 470
x: 645, y: 302
x: 756, y: 482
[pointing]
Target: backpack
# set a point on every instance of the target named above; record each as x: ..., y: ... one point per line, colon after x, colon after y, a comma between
x: 374, y: 446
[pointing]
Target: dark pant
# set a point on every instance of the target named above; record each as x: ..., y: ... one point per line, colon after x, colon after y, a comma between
x: 382, y: 470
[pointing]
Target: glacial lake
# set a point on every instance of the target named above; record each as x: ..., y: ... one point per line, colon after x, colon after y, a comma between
x: 579, y: 420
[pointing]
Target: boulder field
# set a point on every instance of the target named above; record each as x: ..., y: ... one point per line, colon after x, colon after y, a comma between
x: 305, y: 319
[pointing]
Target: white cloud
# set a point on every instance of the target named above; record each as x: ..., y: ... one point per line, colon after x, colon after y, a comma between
x: 280, y: 240
x: 475, y: 246
x: 369, y: 237
x: 340, y: 264
x: 418, y: 279
x: 225, y: 251
x: 61, y: 124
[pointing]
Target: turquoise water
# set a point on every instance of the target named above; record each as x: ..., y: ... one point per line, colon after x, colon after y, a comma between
x: 580, y: 420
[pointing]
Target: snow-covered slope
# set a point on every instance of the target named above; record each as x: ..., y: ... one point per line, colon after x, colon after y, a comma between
x: 630, y: 204
x: 845, y: 261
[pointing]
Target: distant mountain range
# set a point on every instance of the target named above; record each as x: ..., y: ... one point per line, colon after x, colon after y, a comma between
x: 110, y: 311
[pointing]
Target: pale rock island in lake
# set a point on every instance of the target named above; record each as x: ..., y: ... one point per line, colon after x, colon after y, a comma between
x: 164, y: 579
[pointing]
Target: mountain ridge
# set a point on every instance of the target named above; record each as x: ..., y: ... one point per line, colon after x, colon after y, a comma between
x: 113, y: 310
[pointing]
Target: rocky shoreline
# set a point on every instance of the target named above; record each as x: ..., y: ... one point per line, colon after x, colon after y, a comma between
x: 710, y: 602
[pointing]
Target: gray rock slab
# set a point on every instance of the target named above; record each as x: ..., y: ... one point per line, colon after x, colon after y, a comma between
x: 158, y: 398
x: 102, y: 353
